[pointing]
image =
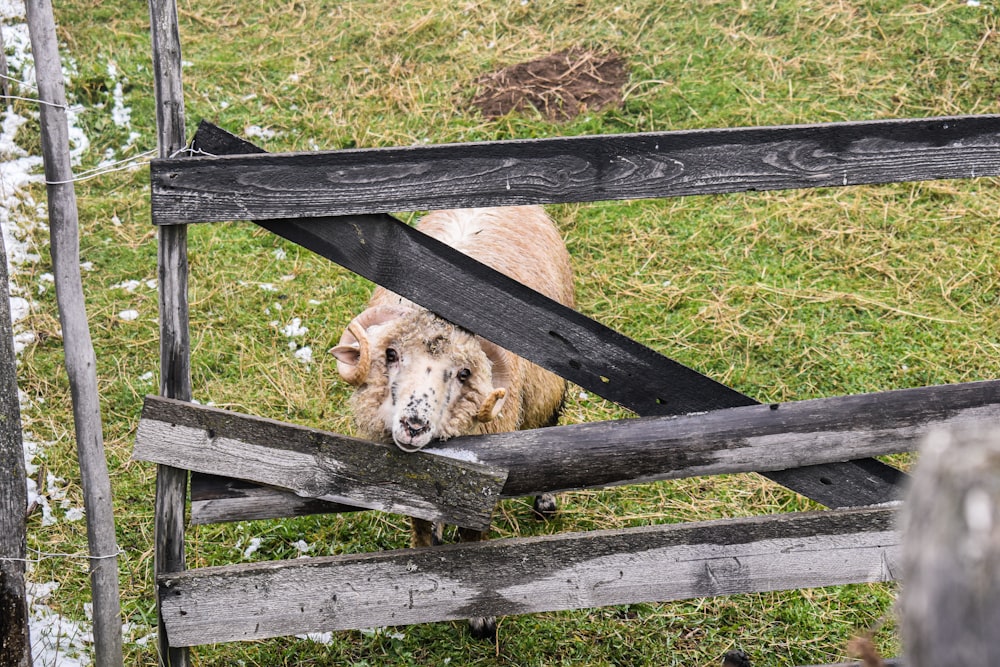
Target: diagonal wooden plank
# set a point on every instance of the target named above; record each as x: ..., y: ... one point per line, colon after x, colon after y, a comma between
x: 573, y: 169
x: 316, y: 464
x: 566, y: 342
x: 529, y: 575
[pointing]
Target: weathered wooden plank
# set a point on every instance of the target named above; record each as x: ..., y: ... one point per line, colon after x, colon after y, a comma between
x: 950, y: 599
x: 527, y: 575
x: 80, y: 359
x: 215, y: 499
x: 314, y: 464
x: 573, y: 169
x: 757, y: 438
x: 175, y: 338
x: 751, y: 438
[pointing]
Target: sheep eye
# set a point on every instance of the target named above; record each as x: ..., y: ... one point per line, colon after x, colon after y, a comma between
x: 464, y: 375
x: 391, y: 356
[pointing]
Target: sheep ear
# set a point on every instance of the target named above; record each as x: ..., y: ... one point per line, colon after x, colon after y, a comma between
x: 353, y: 352
x: 348, y: 354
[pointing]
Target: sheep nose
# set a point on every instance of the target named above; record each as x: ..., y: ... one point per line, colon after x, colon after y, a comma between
x: 415, y: 426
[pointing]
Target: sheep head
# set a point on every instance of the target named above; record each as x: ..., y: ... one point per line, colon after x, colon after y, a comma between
x: 420, y: 378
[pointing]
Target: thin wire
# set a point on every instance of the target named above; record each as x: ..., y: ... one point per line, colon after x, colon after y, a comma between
x: 123, y: 165
x: 191, y: 150
x: 44, y: 555
x: 104, y: 166
x: 36, y: 100
x: 19, y: 82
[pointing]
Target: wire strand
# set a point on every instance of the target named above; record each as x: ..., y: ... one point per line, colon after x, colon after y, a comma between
x: 45, y: 555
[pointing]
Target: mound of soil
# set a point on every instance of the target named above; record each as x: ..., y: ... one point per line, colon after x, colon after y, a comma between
x: 560, y: 86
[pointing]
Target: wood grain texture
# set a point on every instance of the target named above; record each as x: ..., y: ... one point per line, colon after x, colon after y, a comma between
x: 752, y: 438
x: 216, y: 499
x: 314, y: 464
x: 597, y: 358
x: 80, y: 359
x: 572, y: 169
x: 950, y: 600
x: 519, y: 576
x: 15, y: 644
x: 175, y: 342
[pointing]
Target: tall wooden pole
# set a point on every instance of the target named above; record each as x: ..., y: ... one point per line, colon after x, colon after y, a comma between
x: 950, y: 592
x: 81, y: 363
x: 15, y: 644
x: 175, y: 347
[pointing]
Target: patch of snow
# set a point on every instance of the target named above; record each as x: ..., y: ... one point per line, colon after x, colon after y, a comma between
x: 258, y: 132
x: 454, y: 454
x: 128, y: 315
x: 252, y: 548
x: 55, y: 640
x: 294, y: 328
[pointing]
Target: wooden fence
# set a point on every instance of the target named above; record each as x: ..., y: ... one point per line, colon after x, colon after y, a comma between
x: 335, y: 204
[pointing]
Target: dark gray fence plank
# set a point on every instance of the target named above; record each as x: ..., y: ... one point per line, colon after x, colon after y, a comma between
x: 576, y: 347
x: 216, y: 499
x: 315, y: 464
x: 599, y: 454
x: 527, y: 575
x: 573, y: 169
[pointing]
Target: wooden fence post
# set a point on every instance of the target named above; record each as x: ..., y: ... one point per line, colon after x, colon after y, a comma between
x: 950, y: 596
x: 15, y: 644
x: 175, y: 344
x: 81, y: 362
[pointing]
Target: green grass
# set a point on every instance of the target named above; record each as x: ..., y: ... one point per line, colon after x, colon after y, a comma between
x: 784, y: 296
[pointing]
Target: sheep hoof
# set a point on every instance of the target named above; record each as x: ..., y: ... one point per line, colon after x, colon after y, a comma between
x: 484, y: 627
x: 545, y: 506
x: 736, y: 658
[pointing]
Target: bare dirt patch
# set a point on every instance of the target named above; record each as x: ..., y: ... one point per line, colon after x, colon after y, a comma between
x: 560, y: 86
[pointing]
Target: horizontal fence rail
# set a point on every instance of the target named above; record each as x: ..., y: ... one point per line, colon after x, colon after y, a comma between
x: 527, y: 575
x: 597, y: 358
x: 599, y: 454
x: 572, y: 169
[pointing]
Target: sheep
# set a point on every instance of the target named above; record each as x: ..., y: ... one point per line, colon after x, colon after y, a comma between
x: 420, y: 379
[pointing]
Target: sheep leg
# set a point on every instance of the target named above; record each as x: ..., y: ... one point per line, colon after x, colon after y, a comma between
x: 425, y: 533
x: 545, y: 506
x: 481, y: 627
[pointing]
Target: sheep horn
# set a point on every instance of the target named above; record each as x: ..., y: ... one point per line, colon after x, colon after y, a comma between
x: 353, y: 352
x: 503, y: 376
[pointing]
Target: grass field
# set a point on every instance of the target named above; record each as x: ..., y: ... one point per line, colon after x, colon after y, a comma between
x: 784, y: 296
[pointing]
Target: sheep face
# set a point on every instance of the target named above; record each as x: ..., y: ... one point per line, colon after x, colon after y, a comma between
x: 424, y: 379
